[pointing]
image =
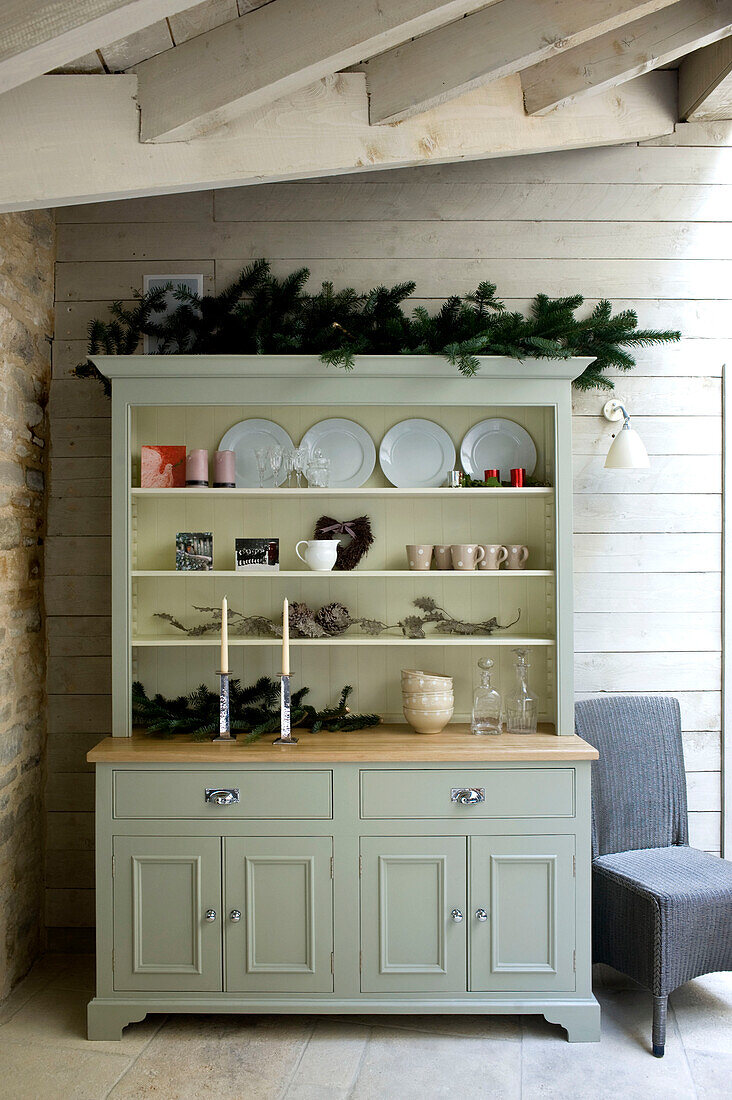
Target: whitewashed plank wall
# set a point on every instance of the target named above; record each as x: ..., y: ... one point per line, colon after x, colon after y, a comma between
x: 648, y: 226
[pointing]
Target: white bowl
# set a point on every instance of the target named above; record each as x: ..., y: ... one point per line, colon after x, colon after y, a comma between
x: 421, y: 699
x: 413, y: 680
x: 428, y: 721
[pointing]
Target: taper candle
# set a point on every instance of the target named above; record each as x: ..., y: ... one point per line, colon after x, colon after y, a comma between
x: 286, y: 639
x: 224, y: 636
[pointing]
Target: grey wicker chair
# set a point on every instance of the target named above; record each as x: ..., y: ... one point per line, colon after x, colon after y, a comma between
x: 661, y: 911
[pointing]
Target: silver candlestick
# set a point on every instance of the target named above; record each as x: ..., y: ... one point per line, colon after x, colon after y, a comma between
x: 224, y: 712
x: 285, y: 737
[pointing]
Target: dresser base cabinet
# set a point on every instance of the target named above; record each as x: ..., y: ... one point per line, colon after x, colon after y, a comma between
x: 379, y: 894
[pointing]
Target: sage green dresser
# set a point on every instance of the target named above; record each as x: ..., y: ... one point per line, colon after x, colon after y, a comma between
x: 369, y: 872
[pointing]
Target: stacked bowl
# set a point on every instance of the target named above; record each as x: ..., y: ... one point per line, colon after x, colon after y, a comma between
x: 428, y: 700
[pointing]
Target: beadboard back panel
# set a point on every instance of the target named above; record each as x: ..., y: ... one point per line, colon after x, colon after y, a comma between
x: 646, y: 226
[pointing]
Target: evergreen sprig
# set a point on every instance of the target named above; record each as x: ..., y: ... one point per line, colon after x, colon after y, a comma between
x: 255, y: 708
x: 263, y: 314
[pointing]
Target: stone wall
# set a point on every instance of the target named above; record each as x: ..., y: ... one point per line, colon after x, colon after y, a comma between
x: 27, y: 249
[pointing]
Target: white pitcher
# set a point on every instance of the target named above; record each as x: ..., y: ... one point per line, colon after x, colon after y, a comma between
x: 320, y: 554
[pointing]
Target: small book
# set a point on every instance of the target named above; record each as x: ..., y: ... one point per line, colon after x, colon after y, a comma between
x: 257, y: 555
x: 194, y: 551
x: 162, y: 467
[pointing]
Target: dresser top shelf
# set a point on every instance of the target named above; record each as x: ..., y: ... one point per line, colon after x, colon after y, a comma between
x: 388, y: 744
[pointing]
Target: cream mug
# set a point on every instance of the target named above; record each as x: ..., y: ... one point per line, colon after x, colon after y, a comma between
x: 466, y: 555
x: 419, y: 555
x: 320, y: 554
x: 494, y: 556
x: 517, y: 557
x: 443, y: 557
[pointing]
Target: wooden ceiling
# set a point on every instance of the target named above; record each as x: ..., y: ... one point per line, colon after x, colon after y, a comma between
x: 241, y: 91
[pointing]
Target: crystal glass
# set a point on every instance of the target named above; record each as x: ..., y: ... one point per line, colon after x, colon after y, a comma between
x: 300, y: 463
x: 263, y: 468
x: 288, y: 465
x: 521, y: 703
x: 275, y: 462
x: 487, y: 703
x: 318, y: 470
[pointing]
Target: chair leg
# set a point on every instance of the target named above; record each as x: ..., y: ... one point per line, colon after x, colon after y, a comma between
x: 660, y: 1005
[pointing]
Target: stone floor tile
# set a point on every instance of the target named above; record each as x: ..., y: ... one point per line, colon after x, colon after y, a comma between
x: 315, y: 1092
x: 619, y: 1066
x: 78, y: 972
x: 332, y: 1056
x: 712, y: 1073
x: 57, y: 1017
x: 475, y: 1025
x: 228, y: 1057
x: 703, y: 1010
x: 414, y: 1066
x: 31, y: 1071
x: 39, y: 976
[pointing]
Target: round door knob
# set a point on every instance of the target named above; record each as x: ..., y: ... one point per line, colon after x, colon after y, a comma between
x: 235, y: 915
x: 481, y: 915
x: 210, y: 914
x: 456, y: 915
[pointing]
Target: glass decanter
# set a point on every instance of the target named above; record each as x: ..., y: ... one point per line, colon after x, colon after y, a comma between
x: 521, y: 703
x: 487, y: 703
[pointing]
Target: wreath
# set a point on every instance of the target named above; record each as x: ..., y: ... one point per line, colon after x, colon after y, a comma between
x: 358, y: 533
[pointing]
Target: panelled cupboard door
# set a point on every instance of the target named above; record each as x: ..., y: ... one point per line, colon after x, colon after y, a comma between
x: 525, y: 886
x: 279, y: 914
x: 164, y: 887
x: 410, y: 941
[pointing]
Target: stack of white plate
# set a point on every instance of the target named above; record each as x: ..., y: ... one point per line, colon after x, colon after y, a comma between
x: 428, y: 700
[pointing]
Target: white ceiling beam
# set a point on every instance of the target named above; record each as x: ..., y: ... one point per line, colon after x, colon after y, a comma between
x: 705, y: 83
x: 39, y: 35
x: 491, y: 43
x: 74, y: 139
x: 270, y: 53
x: 619, y: 56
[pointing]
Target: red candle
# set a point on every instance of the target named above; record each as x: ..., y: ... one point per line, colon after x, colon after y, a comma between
x: 491, y: 473
x: 517, y: 478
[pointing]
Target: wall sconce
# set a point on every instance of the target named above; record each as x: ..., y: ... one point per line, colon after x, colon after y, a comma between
x: 627, y: 451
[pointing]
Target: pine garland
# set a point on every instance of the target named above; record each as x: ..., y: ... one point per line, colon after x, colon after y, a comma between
x: 263, y: 315
x: 255, y: 708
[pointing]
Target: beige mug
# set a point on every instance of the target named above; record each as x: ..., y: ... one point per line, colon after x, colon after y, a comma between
x: 466, y: 555
x: 494, y: 556
x: 419, y: 555
x: 517, y: 557
x: 443, y: 557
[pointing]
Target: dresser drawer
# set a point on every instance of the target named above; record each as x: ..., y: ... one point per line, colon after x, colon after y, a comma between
x: 276, y: 794
x: 508, y: 792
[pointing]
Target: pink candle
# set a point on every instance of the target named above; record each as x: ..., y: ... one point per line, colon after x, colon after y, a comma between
x: 224, y: 470
x: 197, y: 468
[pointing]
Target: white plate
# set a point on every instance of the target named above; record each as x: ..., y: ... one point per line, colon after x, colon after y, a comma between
x: 499, y: 445
x: 244, y: 439
x: 417, y: 454
x: 349, y: 447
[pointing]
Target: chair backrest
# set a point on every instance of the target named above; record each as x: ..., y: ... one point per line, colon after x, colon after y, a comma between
x: 639, y: 783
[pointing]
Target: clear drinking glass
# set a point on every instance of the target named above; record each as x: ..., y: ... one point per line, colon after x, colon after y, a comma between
x: 487, y: 703
x: 300, y: 463
x: 275, y: 462
x: 318, y: 470
x: 521, y: 703
x: 262, y: 456
x: 288, y: 465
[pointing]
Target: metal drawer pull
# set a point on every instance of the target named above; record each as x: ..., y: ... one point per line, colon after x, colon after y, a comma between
x: 467, y: 796
x: 456, y: 915
x: 235, y: 915
x: 481, y: 915
x: 210, y: 914
x: 226, y: 796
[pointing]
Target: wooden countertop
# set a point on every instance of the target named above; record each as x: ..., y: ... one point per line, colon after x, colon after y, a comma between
x: 395, y: 744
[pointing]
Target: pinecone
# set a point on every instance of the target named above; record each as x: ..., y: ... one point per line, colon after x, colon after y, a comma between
x: 334, y: 618
x: 303, y: 622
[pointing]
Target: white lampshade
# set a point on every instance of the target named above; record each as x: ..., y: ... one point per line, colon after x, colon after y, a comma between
x: 627, y: 451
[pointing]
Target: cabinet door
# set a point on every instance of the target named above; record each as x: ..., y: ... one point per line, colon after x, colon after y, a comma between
x: 282, y: 889
x: 163, y: 887
x: 410, y: 941
x: 525, y: 885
